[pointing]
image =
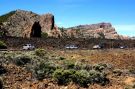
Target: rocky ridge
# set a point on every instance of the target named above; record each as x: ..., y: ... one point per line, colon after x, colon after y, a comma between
x: 100, y: 30
x: 27, y: 24
x: 20, y: 24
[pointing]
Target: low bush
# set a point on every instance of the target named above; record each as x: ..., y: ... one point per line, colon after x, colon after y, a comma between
x: 99, y: 67
x: 133, y: 85
x: 69, y: 64
x: 44, y: 35
x: 2, y: 70
x: 117, y: 72
x: 132, y: 71
x: 63, y: 76
x: 87, y: 67
x: 21, y: 60
x: 62, y: 58
x: 82, y: 66
x: 130, y: 86
x: 44, y: 70
x: 1, y: 83
x: 2, y: 45
x: 40, y: 52
x: 81, y: 78
x: 97, y: 77
x: 78, y: 65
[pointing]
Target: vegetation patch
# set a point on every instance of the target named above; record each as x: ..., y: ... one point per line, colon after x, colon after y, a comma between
x: 44, y: 35
x: 44, y: 70
x: 63, y: 76
x: 132, y: 71
x: 4, y: 18
x: 100, y: 67
x: 1, y: 83
x: 21, y: 60
x: 2, y: 70
x: 81, y: 77
x: 117, y: 72
x: 58, y: 68
x: 40, y: 52
x: 3, y: 45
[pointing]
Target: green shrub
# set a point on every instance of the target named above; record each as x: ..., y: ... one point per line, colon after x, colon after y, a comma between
x: 117, y: 72
x: 99, y: 67
x: 62, y: 58
x: 127, y: 87
x: 2, y: 33
x: 44, y: 35
x: 130, y: 86
x: 44, y: 70
x: 81, y: 78
x: 63, y: 76
x: 133, y: 85
x: 2, y: 70
x: 82, y: 66
x: 40, y: 52
x: 132, y: 71
x: 4, y: 18
x: 21, y: 60
x: 97, y: 77
x: 1, y: 83
x: 68, y: 64
x: 2, y: 45
x: 87, y: 67
x: 78, y: 66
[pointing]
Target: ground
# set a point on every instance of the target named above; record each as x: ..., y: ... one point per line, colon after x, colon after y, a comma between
x: 18, y: 77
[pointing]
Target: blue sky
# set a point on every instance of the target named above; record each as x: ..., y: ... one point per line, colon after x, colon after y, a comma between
x: 121, y: 13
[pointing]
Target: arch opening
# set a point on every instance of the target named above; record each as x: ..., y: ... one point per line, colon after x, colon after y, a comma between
x: 36, y: 30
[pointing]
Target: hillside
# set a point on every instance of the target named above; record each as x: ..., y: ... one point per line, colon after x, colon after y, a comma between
x: 20, y: 23
x: 4, y: 17
x: 99, y: 30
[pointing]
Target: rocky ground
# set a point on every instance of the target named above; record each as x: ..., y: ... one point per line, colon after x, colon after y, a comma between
x: 120, y: 68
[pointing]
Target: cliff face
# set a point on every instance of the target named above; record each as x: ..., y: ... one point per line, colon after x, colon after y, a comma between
x: 28, y: 24
x: 100, y: 30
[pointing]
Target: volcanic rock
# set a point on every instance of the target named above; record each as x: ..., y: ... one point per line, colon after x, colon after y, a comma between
x: 100, y: 30
x: 28, y: 24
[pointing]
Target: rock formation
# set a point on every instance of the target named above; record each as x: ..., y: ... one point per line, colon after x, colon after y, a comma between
x: 100, y: 30
x: 28, y: 24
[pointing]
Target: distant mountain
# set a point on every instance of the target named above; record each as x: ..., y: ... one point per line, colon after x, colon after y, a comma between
x: 22, y: 23
x: 133, y: 37
x: 100, y: 30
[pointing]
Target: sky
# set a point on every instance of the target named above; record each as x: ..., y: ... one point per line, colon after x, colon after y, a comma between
x: 68, y: 13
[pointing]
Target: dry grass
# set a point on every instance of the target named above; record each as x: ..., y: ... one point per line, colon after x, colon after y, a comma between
x: 119, y: 58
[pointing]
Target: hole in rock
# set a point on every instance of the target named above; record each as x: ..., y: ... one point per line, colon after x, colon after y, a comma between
x: 36, y: 30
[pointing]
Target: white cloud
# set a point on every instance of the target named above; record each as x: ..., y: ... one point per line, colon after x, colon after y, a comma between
x: 125, y: 29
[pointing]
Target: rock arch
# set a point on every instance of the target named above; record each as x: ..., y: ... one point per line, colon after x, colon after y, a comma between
x: 36, y: 30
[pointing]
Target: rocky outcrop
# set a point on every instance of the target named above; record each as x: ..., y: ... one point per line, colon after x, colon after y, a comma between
x: 21, y: 24
x: 27, y: 24
x: 100, y: 30
x: 48, y: 25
